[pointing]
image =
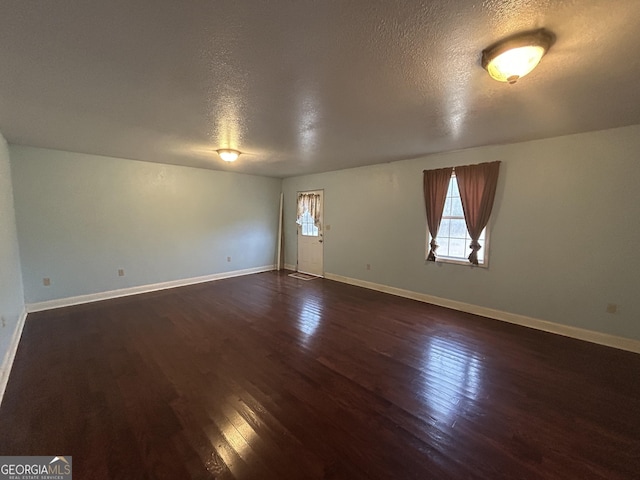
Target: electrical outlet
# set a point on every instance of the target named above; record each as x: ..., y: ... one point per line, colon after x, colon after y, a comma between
x: 228, y: 259
x: 121, y: 272
x: 368, y: 266
x: 46, y: 281
x: 327, y: 227
x: 4, y: 323
x: 612, y: 308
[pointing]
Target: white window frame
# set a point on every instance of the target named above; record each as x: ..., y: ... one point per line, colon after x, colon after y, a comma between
x: 461, y: 260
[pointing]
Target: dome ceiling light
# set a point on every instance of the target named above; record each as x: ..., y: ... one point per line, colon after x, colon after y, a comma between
x: 228, y: 154
x: 512, y: 58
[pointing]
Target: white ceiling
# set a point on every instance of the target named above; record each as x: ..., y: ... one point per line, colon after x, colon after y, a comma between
x: 305, y: 86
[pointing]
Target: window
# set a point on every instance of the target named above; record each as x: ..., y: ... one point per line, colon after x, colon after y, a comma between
x: 307, y: 225
x: 309, y: 211
x: 453, y: 237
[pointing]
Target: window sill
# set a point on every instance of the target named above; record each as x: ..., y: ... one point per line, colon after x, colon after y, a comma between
x: 456, y: 261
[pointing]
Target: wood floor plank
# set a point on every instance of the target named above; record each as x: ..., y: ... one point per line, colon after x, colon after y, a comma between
x: 270, y: 377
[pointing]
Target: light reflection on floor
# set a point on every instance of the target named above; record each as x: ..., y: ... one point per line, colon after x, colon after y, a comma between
x: 309, y: 318
x: 239, y: 437
x: 451, y: 378
x: 238, y: 434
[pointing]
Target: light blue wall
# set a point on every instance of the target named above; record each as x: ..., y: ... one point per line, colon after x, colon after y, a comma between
x: 80, y: 218
x: 11, y: 294
x: 565, y: 231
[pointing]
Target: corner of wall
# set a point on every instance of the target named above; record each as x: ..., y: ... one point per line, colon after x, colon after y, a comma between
x: 12, y: 303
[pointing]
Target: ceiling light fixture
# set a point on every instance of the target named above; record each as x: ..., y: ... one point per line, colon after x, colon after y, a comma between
x: 228, y: 155
x: 512, y: 58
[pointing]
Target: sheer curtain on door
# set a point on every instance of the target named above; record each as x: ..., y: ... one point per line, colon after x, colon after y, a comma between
x: 309, y: 202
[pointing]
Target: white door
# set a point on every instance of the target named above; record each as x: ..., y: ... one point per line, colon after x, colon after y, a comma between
x: 310, y: 241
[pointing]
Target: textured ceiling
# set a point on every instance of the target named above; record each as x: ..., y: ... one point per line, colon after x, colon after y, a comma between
x: 305, y: 86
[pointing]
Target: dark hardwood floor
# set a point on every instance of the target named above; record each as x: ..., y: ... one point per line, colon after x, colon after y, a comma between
x: 270, y: 377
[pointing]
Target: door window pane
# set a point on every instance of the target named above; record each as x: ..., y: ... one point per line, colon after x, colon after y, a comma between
x: 307, y: 227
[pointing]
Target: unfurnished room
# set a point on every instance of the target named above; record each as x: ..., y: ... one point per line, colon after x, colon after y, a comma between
x: 253, y: 240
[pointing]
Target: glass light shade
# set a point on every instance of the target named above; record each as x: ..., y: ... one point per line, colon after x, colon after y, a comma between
x: 228, y: 155
x: 515, y: 56
x: 515, y: 63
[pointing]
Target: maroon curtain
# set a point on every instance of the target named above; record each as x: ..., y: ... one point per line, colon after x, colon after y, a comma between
x: 435, y: 183
x: 477, y: 185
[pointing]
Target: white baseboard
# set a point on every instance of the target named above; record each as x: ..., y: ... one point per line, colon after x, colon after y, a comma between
x: 10, y: 355
x: 124, y: 292
x: 289, y: 266
x: 600, y: 338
